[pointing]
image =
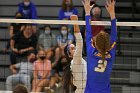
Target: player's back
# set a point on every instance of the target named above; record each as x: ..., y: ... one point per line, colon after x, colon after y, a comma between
x: 98, y: 72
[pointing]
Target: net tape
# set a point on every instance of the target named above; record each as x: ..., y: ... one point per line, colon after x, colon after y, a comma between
x: 70, y: 22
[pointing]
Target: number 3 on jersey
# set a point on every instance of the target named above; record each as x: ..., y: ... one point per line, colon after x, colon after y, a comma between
x: 101, y: 66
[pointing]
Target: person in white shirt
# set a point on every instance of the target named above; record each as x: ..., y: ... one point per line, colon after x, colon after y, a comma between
x: 75, y: 71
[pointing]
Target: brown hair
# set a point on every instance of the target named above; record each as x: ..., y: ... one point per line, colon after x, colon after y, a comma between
x: 103, y: 43
x: 20, y: 89
x: 68, y: 76
x: 64, y: 6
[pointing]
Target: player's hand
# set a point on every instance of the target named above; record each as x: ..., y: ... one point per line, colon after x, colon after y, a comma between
x: 110, y: 7
x: 76, y: 27
x: 74, y: 17
x: 87, y: 7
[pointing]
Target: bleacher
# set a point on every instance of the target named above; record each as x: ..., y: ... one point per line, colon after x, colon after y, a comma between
x: 125, y: 77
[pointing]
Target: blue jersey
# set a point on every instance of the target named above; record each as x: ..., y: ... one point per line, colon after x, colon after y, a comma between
x: 66, y: 14
x: 29, y: 12
x: 99, y: 82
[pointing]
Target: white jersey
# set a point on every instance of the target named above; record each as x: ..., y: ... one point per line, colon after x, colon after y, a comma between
x: 79, y: 66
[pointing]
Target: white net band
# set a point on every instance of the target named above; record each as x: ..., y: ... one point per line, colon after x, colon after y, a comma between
x: 104, y: 23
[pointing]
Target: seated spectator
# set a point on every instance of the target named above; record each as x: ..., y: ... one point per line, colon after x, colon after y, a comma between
x: 22, y: 73
x: 28, y: 9
x: 42, y: 72
x: 22, y: 43
x: 20, y: 89
x: 62, y: 40
x: 56, y: 77
x: 14, y: 29
x: 57, y: 66
x: 67, y: 10
x: 47, y: 41
x: 96, y: 16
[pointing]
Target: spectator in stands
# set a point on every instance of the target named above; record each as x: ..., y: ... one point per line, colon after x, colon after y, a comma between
x: 28, y: 9
x: 67, y: 10
x: 14, y: 29
x: 20, y: 89
x: 22, y: 43
x: 57, y: 66
x: 56, y: 77
x: 96, y: 16
x: 62, y: 40
x: 47, y: 41
x: 42, y: 71
x: 22, y: 73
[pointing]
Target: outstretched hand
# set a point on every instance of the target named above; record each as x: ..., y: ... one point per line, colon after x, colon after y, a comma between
x: 110, y: 7
x: 74, y: 17
x: 87, y: 7
x: 76, y: 27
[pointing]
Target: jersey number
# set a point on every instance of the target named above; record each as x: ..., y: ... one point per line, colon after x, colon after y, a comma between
x: 101, y: 66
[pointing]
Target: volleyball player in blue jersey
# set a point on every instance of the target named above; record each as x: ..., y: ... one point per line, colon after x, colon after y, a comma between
x: 100, y: 52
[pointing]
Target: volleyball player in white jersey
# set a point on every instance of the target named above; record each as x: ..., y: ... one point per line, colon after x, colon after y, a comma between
x: 75, y: 71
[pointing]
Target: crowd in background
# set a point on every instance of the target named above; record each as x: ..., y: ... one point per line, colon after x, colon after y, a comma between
x: 44, y: 53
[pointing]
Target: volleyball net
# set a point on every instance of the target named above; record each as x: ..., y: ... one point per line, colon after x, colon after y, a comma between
x: 126, y: 68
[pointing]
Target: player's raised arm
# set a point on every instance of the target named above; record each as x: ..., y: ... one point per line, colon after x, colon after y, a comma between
x: 110, y: 7
x: 87, y: 7
x: 77, y: 58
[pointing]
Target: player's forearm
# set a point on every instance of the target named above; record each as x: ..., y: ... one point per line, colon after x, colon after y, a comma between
x: 79, y: 47
x: 79, y: 40
x: 76, y: 29
x: 113, y: 31
x: 88, y: 29
x: 78, y: 35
